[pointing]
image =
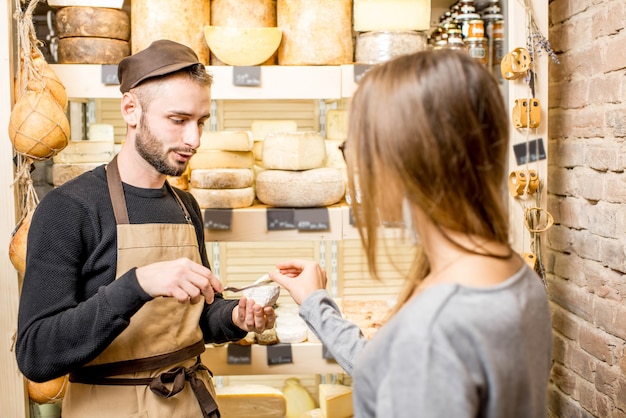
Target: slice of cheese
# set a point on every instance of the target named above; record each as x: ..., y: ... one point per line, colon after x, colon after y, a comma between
x: 260, y: 128
x: 372, y: 15
x: 336, y: 124
x: 222, y: 178
x: 242, y: 46
x: 335, y: 400
x: 221, y: 159
x: 251, y: 400
x: 85, y: 152
x: 223, y: 198
x: 226, y: 140
x: 294, y: 150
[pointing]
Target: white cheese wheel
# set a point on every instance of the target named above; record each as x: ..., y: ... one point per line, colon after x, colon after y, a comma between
x: 293, y: 150
x: 242, y: 46
x: 221, y: 159
x: 315, y: 32
x: 335, y: 400
x: 62, y: 173
x: 265, y: 295
x: 372, y: 15
x: 98, y: 22
x: 86, y: 152
x: 251, y: 400
x: 222, y: 178
x: 223, y: 198
x: 227, y: 140
x: 86, y: 50
x: 309, y: 188
x: 260, y: 128
x: 336, y: 124
x: 290, y: 328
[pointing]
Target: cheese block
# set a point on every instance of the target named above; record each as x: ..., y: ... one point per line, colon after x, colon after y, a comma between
x: 335, y: 400
x: 251, y: 400
x: 309, y: 188
x: 257, y: 150
x: 97, y: 22
x: 313, y: 413
x: 227, y: 140
x: 336, y: 124
x: 242, y: 46
x: 293, y: 150
x: 260, y: 128
x: 101, y: 132
x: 181, y: 22
x: 221, y: 159
x: 334, y: 156
x: 223, y: 198
x: 222, y: 178
x: 62, y: 173
x: 86, y: 152
x: 315, y: 32
x: 89, y: 50
x: 370, y: 15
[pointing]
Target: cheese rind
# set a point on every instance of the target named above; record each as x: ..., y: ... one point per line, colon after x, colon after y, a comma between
x: 221, y: 159
x: 251, y: 400
x: 372, y: 15
x: 62, y: 173
x: 222, y: 178
x: 223, y: 198
x: 293, y: 150
x: 226, y: 140
x: 335, y: 400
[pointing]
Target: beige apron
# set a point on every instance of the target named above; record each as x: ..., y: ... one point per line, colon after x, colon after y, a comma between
x: 157, y: 355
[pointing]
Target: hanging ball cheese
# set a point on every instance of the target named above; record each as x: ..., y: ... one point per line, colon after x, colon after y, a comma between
x: 45, y: 78
x: 46, y: 392
x: 17, y: 245
x: 38, y: 127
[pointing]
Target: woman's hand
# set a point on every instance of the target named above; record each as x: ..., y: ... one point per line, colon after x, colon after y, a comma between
x: 300, y: 278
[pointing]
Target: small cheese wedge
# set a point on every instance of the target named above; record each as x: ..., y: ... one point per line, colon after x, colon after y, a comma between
x: 262, y: 127
x: 222, y: 178
x: 294, y: 150
x: 223, y: 198
x: 221, y: 159
x: 226, y: 140
x: 242, y: 46
x: 335, y: 400
x: 251, y: 400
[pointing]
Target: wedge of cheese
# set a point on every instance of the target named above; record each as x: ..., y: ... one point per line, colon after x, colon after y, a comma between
x: 251, y: 400
x: 223, y: 198
x: 372, y: 15
x: 242, y: 46
x: 226, y: 140
x: 335, y: 400
x: 294, y: 150
x: 221, y: 159
x: 222, y: 178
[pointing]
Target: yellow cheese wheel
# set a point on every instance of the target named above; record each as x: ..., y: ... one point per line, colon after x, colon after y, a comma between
x: 221, y: 159
x: 242, y: 46
x: 222, y: 178
x: 89, y: 50
x: 251, y: 400
x: 97, y: 22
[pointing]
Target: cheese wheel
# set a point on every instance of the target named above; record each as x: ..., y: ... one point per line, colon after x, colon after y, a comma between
x: 293, y: 150
x: 97, y: 22
x: 308, y: 188
x: 62, y: 173
x: 260, y: 128
x: 178, y: 21
x: 336, y: 124
x: 86, y: 152
x: 315, y: 32
x: 222, y: 159
x: 242, y: 46
x: 370, y: 15
x: 227, y: 140
x: 223, y: 198
x: 89, y: 50
x: 335, y: 400
x: 222, y: 178
x: 251, y: 400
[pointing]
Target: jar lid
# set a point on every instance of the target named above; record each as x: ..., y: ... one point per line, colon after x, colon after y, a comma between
x: 476, y: 39
x: 468, y: 16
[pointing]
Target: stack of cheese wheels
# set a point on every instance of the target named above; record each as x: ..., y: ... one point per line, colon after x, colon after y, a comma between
x: 389, y: 28
x: 182, y: 22
x: 243, y: 14
x: 294, y: 174
x: 315, y: 32
x: 92, y: 35
x: 251, y: 400
x: 222, y: 171
x: 260, y: 129
x: 79, y: 157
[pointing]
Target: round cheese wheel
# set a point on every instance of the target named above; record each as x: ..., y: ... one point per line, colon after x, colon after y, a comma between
x: 88, y: 50
x: 62, y: 173
x: 222, y: 178
x: 97, y: 22
x: 293, y: 150
x: 315, y: 32
x: 206, y: 158
x: 309, y: 188
x: 180, y: 21
x: 223, y: 198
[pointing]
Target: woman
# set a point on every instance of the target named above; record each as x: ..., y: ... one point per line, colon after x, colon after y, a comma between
x: 471, y: 333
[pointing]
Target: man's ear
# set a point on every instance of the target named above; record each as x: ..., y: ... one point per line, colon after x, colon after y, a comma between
x: 131, y: 110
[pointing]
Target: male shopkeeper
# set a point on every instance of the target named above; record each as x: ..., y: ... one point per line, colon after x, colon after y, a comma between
x: 117, y: 290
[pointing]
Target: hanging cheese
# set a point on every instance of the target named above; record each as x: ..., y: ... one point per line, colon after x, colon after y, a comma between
x: 222, y: 178
x: 86, y: 152
x: 315, y: 32
x: 221, y: 159
x: 293, y: 150
x: 97, y: 22
x: 223, y: 198
x: 90, y: 50
x: 17, y: 245
x: 260, y: 128
x: 250, y: 401
x: 227, y: 140
x: 44, y: 78
x: 335, y: 400
x: 243, y: 14
x: 371, y: 15
x: 62, y: 173
x: 180, y: 21
x: 309, y: 188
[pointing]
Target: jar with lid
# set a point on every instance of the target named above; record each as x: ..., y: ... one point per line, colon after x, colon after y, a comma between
x: 492, y: 8
x: 464, y: 20
x: 467, y: 6
x: 478, y: 49
x: 455, y: 39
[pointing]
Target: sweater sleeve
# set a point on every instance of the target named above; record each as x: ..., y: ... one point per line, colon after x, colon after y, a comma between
x: 343, y: 339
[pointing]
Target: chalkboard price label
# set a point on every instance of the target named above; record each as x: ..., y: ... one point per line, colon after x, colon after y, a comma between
x: 247, y: 76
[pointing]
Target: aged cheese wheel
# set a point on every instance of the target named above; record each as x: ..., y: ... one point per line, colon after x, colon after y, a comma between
x: 97, y: 22
x: 86, y: 152
x: 222, y: 159
x: 293, y: 150
x: 227, y: 140
x: 88, y: 50
x: 62, y: 173
x: 46, y: 392
x: 243, y: 14
x: 38, y: 127
x: 180, y: 21
x: 223, y: 198
x: 222, y: 178
x: 315, y: 32
x: 251, y: 400
x: 309, y: 188
x: 260, y: 128
x: 17, y: 245
x: 242, y: 46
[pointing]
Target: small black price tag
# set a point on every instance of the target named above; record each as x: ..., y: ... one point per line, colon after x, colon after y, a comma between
x: 218, y: 219
x: 351, y: 216
x: 279, y: 354
x: 239, y: 354
x: 279, y: 219
x: 528, y: 152
x: 312, y: 219
x: 360, y: 70
x: 109, y: 74
x: 247, y: 76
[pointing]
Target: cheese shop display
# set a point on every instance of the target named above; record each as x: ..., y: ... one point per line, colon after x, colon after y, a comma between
x: 315, y: 32
x: 251, y: 400
x: 368, y: 315
x: 298, y: 398
x: 391, y: 15
x: 293, y: 150
x: 308, y: 188
x: 242, y: 14
x: 335, y: 400
x: 380, y: 46
x: 180, y: 21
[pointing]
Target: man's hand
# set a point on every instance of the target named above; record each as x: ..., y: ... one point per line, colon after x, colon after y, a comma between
x: 182, y: 279
x: 250, y: 316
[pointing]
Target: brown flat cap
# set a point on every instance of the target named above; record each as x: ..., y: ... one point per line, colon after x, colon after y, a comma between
x: 160, y: 58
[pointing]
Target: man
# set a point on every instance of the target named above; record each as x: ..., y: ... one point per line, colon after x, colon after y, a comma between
x: 117, y: 291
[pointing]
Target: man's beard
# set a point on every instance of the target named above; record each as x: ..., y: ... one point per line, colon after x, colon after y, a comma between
x: 150, y: 149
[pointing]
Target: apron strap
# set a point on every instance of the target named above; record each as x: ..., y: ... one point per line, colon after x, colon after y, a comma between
x: 117, y: 192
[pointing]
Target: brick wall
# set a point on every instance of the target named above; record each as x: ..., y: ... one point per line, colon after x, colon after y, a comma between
x: 587, y: 196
